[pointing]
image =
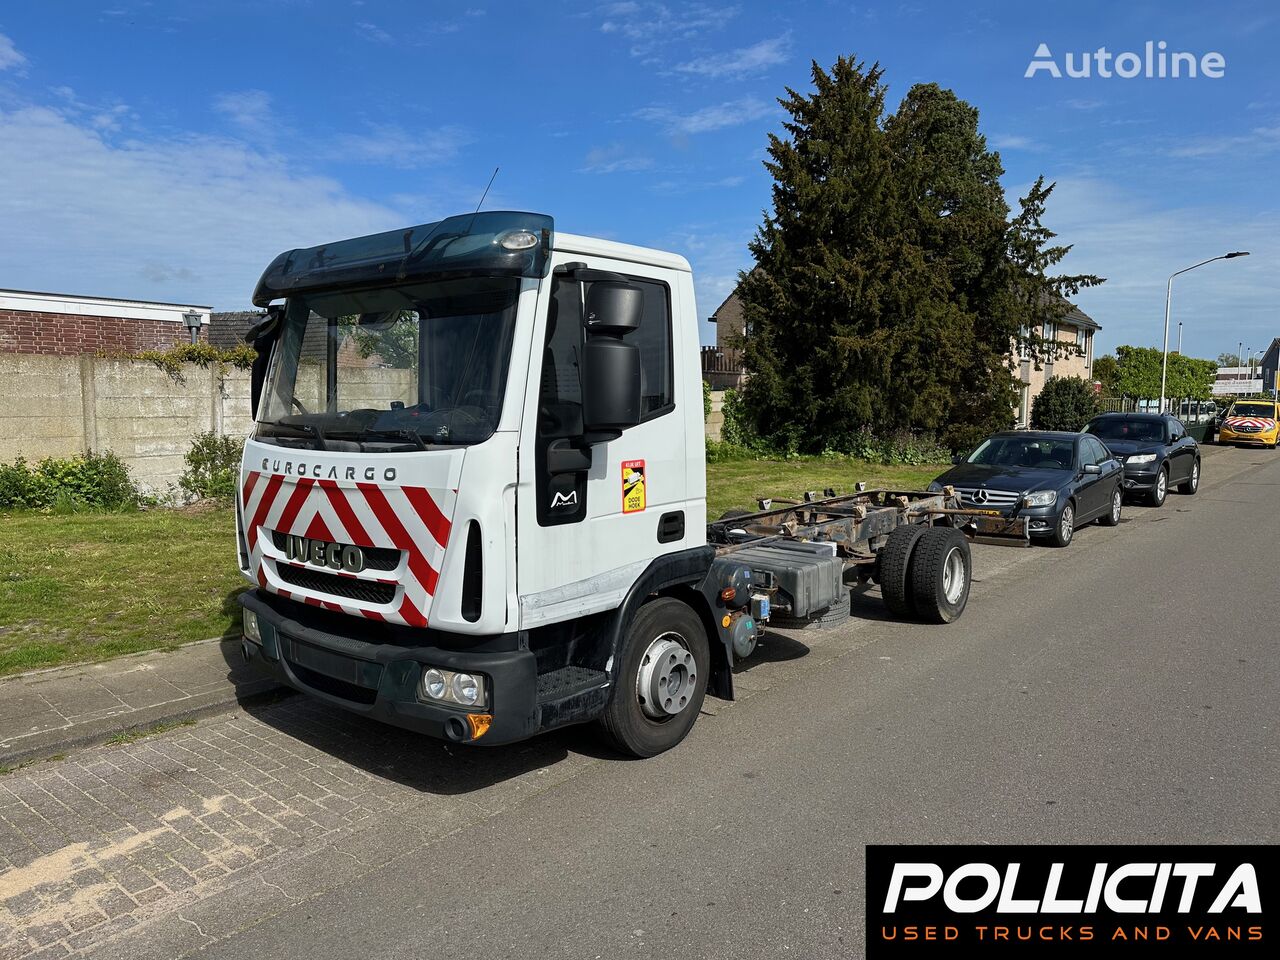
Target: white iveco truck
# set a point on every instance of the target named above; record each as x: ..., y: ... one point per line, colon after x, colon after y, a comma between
x: 474, y: 500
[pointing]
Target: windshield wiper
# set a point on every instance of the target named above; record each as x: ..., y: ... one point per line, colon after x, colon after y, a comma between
x: 307, y: 429
x: 408, y: 436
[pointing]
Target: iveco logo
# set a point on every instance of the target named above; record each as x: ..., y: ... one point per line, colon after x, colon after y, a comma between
x: 336, y: 556
x: 980, y: 495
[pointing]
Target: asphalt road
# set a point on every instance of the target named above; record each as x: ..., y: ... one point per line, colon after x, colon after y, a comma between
x: 1121, y: 690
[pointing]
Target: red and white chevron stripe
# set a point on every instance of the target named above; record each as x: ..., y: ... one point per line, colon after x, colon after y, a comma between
x: 413, y: 520
x: 1260, y: 422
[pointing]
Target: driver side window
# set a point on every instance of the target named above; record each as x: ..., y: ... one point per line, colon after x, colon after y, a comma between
x: 1095, y: 452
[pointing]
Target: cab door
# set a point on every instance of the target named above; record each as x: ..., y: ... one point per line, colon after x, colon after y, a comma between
x: 589, y: 526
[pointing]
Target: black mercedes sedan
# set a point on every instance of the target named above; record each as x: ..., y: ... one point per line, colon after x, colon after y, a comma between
x: 1057, y: 480
x: 1156, y: 452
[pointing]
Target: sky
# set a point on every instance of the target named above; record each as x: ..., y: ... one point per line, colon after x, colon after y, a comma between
x: 170, y: 149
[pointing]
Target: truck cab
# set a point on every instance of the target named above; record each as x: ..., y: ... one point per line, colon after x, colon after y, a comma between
x: 478, y: 449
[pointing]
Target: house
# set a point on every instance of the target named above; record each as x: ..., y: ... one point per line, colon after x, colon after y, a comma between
x: 1270, y: 365
x: 63, y: 324
x: 1074, y: 331
x: 722, y: 364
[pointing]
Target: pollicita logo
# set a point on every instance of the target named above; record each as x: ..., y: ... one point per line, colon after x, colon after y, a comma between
x: 1156, y: 61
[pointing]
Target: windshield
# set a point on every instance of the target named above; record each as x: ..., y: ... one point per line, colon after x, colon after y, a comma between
x: 1266, y: 410
x: 395, y: 368
x: 1143, y: 431
x: 1035, y: 452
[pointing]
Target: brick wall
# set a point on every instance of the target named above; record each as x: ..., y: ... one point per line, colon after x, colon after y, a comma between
x: 64, y: 334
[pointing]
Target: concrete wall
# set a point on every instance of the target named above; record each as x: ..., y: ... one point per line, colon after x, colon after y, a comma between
x: 62, y: 406
x: 715, y: 420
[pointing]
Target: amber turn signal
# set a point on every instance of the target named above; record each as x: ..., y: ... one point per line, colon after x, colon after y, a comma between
x: 479, y: 724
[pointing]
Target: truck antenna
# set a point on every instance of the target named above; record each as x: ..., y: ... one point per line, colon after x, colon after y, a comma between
x: 482, y: 196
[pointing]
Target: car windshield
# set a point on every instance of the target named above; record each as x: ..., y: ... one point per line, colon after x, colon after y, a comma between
x: 1037, y: 452
x: 1253, y: 410
x: 394, y: 368
x: 1145, y: 431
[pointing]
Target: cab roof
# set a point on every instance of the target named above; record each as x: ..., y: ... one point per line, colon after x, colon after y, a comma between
x: 596, y: 247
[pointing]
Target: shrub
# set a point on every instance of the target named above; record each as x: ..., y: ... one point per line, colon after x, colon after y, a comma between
x: 91, y: 480
x: 706, y: 400
x: 1065, y: 403
x: 213, y: 466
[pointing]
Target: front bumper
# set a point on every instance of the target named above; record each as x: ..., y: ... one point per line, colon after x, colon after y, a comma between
x: 1141, y: 480
x: 1267, y: 439
x: 381, y: 680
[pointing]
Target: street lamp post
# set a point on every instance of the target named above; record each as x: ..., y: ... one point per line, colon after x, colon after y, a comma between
x: 1168, y: 299
x: 1179, y: 338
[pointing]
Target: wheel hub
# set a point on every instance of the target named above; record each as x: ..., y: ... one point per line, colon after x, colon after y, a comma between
x: 667, y: 677
x: 953, y: 576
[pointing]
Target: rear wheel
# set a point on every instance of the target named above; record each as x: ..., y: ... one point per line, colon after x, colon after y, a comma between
x: 895, y: 568
x: 1112, y: 517
x: 1160, y: 490
x: 1190, y: 485
x: 661, y: 680
x: 1064, y: 530
x: 941, y: 573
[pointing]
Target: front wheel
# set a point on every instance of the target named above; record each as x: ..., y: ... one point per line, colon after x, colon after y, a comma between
x: 1160, y: 490
x: 1112, y: 517
x: 661, y: 680
x: 1065, y: 529
x: 1190, y: 485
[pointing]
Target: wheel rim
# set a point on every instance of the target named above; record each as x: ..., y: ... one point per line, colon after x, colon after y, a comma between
x: 1067, y: 524
x: 1195, y: 476
x: 667, y: 677
x: 1162, y: 485
x: 953, y: 576
x: 1115, y: 507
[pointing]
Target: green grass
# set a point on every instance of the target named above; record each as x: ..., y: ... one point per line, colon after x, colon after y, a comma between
x: 133, y: 736
x: 91, y: 586
x: 737, y: 483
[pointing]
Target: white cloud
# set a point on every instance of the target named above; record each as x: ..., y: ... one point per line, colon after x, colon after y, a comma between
x: 185, y: 218
x: 10, y: 56
x: 1136, y: 244
x: 250, y: 110
x: 371, y: 31
x: 1011, y: 141
x: 1258, y: 140
x: 1076, y: 104
x: 614, y: 158
x: 392, y: 146
x: 717, y: 117
x: 651, y: 26
x: 742, y: 62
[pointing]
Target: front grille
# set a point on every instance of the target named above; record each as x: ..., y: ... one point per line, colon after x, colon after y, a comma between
x: 332, y: 686
x: 349, y: 588
x: 375, y: 558
x: 994, y: 498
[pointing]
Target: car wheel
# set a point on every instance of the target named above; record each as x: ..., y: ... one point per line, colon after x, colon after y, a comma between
x: 1190, y: 485
x: 662, y: 680
x: 1065, y: 529
x: 1161, y: 488
x: 1112, y: 517
x: 895, y: 568
x: 941, y: 573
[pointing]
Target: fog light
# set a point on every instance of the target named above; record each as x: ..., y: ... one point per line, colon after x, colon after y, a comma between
x: 434, y: 684
x: 465, y: 688
x: 250, y: 621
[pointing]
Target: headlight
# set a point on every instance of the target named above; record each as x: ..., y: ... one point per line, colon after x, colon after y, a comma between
x: 1040, y: 498
x: 434, y: 684
x: 935, y: 487
x: 250, y: 621
x: 448, y: 686
x: 1142, y: 458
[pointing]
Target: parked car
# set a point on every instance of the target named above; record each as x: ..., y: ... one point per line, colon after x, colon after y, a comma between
x: 1251, y: 423
x: 1155, y: 449
x: 1057, y: 480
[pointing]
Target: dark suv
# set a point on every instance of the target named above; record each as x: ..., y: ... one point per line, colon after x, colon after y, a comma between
x: 1156, y: 452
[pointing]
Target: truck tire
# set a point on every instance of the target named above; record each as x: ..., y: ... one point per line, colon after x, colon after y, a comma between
x: 895, y: 568
x: 664, y: 650
x: 941, y: 572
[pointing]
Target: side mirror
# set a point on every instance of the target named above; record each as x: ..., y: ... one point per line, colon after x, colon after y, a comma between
x: 1092, y: 468
x: 610, y: 365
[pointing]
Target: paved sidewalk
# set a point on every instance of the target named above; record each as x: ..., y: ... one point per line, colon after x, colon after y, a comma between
x: 50, y: 711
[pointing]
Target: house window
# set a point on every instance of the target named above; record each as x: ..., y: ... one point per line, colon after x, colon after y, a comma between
x: 1080, y: 337
x: 1050, y: 331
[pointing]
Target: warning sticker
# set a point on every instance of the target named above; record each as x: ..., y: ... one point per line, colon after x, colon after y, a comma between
x: 632, y: 486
